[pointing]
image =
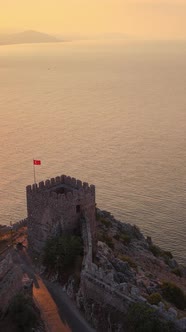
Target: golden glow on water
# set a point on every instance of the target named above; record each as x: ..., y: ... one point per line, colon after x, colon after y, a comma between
x: 112, y: 115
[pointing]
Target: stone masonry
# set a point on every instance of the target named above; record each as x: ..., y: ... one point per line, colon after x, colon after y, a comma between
x: 57, y: 206
x: 65, y: 205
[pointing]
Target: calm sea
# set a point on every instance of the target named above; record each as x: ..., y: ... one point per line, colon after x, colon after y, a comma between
x: 112, y: 114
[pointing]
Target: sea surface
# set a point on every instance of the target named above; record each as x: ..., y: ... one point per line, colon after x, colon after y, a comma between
x: 109, y: 113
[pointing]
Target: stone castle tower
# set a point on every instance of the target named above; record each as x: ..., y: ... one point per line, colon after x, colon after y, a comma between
x: 58, y: 206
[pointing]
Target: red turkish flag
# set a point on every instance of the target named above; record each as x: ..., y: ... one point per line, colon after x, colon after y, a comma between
x: 36, y: 162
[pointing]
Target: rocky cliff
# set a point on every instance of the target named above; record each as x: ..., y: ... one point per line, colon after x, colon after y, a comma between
x: 128, y: 278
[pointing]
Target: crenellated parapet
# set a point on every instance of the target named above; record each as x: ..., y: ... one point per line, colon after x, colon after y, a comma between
x: 74, y: 188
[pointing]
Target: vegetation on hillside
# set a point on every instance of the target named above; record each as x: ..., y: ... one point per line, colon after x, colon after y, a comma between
x: 174, y: 295
x: 60, y: 253
x: 143, y: 318
x: 23, y: 313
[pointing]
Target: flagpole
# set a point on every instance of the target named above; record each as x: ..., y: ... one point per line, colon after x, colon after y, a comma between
x: 34, y: 171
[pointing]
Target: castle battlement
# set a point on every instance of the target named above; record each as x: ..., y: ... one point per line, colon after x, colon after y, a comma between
x: 58, y: 203
x: 61, y: 186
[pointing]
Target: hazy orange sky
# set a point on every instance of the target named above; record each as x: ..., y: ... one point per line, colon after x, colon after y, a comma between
x: 138, y: 18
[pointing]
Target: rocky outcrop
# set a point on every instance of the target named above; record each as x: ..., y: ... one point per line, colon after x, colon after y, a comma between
x: 126, y: 269
x: 12, y: 279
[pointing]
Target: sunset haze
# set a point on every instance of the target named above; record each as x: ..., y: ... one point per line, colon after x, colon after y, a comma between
x: 148, y: 19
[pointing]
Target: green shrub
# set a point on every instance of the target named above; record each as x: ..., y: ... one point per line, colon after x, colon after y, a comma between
x: 177, y: 272
x: 105, y: 222
x: 158, y: 252
x: 128, y: 260
x: 125, y: 238
x: 109, y: 242
x: 107, y: 239
x: 167, y: 254
x: 22, y: 313
x: 61, y: 252
x: 155, y: 250
x: 97, y: 216
x: 154, y: 298
x: 142, y: 318
x: 174, y: 295
x: 116, y: 237
x: 136, y: 232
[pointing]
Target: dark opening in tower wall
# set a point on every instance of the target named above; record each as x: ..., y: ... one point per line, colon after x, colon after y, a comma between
x: 62, y: 189
x: 78, y: 208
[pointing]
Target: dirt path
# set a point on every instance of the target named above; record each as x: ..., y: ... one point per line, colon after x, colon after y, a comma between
x: 57, y: 310
x: 48, y: 308
x: 67, y: 309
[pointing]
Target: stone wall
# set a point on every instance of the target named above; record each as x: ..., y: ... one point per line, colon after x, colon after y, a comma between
x: 100, y: 292
x: 15, y: 226
x: 19, y: 224
x: 52, y: 208
x: 57, y: 206
x: 92, y: 286
x: 87, y: 244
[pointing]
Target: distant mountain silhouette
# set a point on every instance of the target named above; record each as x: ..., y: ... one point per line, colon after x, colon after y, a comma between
x: 25, y: 37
